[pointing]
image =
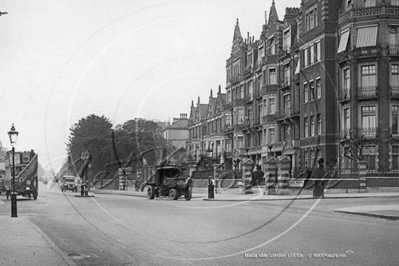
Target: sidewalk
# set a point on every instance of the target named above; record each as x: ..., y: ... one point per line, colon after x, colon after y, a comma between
x: 23, y: 243
x: 390, y: 212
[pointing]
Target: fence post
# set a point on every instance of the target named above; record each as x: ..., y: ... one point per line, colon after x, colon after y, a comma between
x: 271, y: 176
x: 247, y: 164
x: 283, y: 174
x: 361, y: 166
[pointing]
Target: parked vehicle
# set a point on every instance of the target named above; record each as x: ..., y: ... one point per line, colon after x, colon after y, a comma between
x: 26, y: 179
x: 167, y: 181
x: 68, y: 183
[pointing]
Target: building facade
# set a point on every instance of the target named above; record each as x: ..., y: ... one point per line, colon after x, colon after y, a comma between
x: 177, y: 133
x: 321, y: 83
x: 368, y: 83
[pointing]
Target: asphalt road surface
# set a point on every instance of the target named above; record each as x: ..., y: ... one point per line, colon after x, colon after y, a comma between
x: 125, y: 230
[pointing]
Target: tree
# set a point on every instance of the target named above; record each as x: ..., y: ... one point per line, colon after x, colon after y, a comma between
x: 91, y: 133
x: 112, y: 149
x: 137, y: 136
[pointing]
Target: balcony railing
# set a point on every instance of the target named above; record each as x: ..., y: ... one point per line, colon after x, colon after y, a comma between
x: 235, y: 78
x: 263, y: 90
x: 228, y: 128
x: 267, y: 119
x: 394, y: 92
x: 248, y: 71
x: 285, y: 84
x: 287, y: 111
x: 239, y: 102
x: 227, y: 106
x: 394, y: 49
x: 394, y: 133
x: 368, y: 132
x: 370, y: 11
x: 342, y: 56
x: 366, y: 51
x: 344, y: 134
x: 344, y: 95
x: 278, y: 115
x: 367, y: 92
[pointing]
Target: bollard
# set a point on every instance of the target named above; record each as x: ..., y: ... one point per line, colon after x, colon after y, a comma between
x: 271, y: 176
x: 318, y: 189
x: 362, y: 176
x: 283, y: 175
x: 211, y: 189
x: 86, y: 190
x: 247, y: 164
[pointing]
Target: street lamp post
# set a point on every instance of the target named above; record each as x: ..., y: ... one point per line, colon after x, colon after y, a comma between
x: 85, y: 157
x: 13, y: 134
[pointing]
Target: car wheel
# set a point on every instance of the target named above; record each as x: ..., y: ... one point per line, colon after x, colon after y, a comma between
x: 173, y: 194
x: 151, y: 192
x: 35, y: 195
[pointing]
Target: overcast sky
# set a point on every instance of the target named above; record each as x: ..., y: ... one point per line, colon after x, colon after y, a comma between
x: 62, y: 60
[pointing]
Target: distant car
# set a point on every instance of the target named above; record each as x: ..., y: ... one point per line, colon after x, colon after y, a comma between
x: 68, y: 183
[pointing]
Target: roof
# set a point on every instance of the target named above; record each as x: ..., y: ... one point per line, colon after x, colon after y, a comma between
x: 181, y: 123
x: 273, y: 17
x: 237, y: 32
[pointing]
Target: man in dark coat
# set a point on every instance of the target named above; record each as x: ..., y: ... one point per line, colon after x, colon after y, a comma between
x: 257, y: 176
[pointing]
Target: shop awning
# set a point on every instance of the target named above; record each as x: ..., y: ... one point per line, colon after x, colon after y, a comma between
x: 366, y: 36
x: 344, y: 41
x: 298, y: 67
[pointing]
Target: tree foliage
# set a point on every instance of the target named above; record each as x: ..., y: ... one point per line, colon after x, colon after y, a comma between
x: 91, y: 133
x: 111, y: 149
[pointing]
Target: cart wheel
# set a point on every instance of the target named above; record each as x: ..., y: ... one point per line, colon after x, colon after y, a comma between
x: 151, y: 192
x: 188, y: 194
x: 173, y: 194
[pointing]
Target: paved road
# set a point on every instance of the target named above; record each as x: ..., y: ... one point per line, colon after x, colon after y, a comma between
x: 120, y: 230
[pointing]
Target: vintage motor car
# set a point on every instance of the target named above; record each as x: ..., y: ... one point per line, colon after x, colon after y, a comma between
x: 68, y: 183
x: 168, y: 181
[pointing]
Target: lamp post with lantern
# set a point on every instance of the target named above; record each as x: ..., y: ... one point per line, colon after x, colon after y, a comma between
x: 13, y: 134
x: 85, y: 158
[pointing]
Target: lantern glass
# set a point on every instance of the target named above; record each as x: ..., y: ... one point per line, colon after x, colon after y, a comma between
x: 13, y: 134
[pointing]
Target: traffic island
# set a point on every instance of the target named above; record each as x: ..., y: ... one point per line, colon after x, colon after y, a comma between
x: 85, y: 196
x: 84, y: 193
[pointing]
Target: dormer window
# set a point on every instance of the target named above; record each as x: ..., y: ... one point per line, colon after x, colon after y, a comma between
x: 287, y: 41
x: 272, y: 46
x: 249, y: 58
x: 311, y: 18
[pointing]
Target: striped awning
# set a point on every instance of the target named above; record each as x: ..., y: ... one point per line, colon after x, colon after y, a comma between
x: 298, y: 67
x: 366, y: 36
x: 344, y: 41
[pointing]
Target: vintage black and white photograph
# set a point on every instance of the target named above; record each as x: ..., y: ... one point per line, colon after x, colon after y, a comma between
x: 199, y: 132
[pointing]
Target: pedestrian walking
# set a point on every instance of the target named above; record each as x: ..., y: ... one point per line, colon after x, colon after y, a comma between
x: 78, y: 182
x: 7, y: 184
